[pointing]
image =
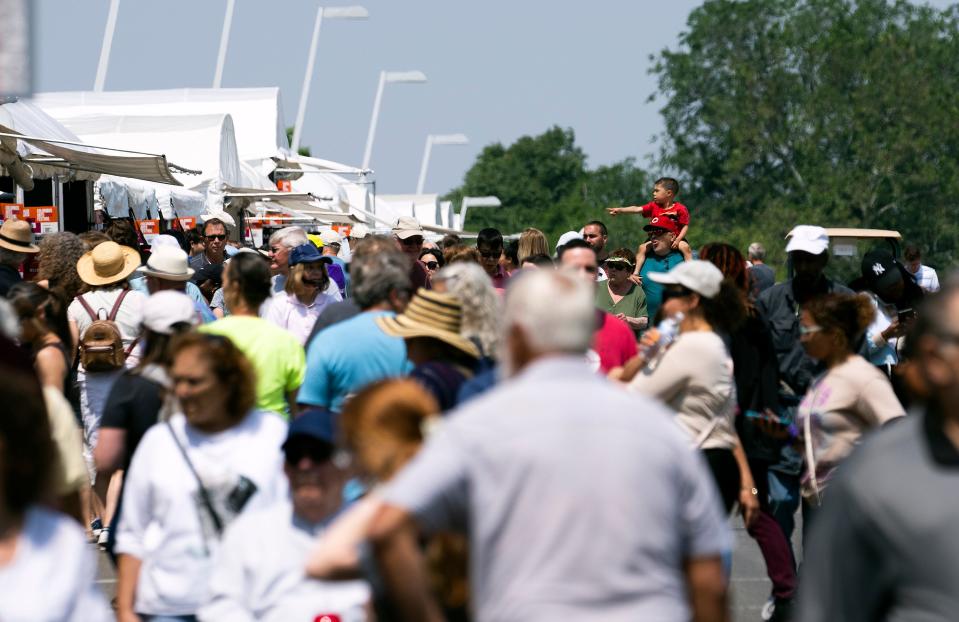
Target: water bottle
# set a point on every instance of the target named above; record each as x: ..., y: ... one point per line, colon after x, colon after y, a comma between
x: 666, y: 330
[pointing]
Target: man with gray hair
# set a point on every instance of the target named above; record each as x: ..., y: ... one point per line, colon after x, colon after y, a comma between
x: 761, y: 276
x: 574, y: 513
x: 281, y: 243
x: 343, y: 358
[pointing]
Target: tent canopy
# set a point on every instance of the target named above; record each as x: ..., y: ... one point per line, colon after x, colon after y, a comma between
x: 257, y: 112
x: 66, y: 153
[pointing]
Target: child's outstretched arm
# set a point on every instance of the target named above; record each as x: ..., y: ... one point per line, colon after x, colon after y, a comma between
x: 629, y: 209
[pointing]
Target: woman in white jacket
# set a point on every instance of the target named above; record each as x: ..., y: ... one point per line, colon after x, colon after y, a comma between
x: 190, y: 477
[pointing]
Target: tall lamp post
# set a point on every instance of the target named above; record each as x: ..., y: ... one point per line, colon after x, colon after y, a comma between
x: 224, y: 39
x: 386, y: 76
x: 106, y: 45
x: 469, y: 202
x: 436, y: 139
x: 333, y: 12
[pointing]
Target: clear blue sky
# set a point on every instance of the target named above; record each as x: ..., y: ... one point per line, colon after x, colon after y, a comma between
x: 497, y: 69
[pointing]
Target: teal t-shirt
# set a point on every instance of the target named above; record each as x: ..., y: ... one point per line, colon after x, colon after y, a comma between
x: 654, y: 291
x: 347, y: 356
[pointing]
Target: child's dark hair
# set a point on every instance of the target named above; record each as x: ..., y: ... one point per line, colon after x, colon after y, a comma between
x: 847, y: 314
x: 668, y: 183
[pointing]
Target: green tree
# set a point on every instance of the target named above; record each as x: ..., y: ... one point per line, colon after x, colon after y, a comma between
x: 543, y: 182
x: 832, y: 112
x: 303, y: 151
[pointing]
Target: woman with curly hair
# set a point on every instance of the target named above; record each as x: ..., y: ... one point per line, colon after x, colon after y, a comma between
x: 59, y: 253
x: 191, y: 476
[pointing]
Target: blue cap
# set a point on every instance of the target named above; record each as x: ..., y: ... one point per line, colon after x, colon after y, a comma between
x: 307, y: 253
x: 316, y: 423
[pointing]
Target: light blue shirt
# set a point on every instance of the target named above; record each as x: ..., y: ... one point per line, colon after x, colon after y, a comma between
x: 347, y: 356
x: 654, y: 291
x: 199, y: 302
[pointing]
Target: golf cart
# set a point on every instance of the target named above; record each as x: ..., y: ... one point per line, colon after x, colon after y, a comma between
x: 847, y: 247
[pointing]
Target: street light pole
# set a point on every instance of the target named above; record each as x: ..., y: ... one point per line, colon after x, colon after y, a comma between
x: 224, y: 40
x: 437, y: 139
x: 386, y: 76
x: 349, y: 12
x: 106, y: 45
x: 489, y: 201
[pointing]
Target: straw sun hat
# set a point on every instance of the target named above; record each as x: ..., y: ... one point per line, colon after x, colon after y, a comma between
x: 17, y: 235
x: 430, y: 314
x: 107, y: 263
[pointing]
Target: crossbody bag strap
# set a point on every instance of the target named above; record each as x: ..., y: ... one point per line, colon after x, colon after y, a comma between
x: 204, y: 494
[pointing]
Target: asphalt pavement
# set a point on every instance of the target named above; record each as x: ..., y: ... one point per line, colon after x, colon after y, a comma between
x: 750, y: 586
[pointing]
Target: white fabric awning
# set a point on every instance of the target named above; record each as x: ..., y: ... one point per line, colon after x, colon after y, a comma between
x: 148, y: 167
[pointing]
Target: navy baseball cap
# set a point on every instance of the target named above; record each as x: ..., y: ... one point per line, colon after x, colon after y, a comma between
x: 315, y: 424
x: 307, y: 253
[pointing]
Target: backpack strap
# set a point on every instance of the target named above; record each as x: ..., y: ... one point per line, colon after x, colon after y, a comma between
x: 88, y: 308
x: 116, y: 305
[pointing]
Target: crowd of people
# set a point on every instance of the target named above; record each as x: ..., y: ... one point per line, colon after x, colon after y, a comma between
x: 379, y: 426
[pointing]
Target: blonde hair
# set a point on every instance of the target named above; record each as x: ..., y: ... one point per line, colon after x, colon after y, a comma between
x: 531, y: 242
x: 294, y: 282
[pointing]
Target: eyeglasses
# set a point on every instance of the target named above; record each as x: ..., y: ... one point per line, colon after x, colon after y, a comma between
x: 675, y: 293
x: 220, y: 236
x: 808, y: 330
x: 432, y: 265
x: 655, y: 233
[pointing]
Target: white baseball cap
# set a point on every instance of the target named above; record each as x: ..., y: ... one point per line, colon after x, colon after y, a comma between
x: 164, y: 310
x: 168, y: 263
x: 330, y: 237
x: 699, y: 276
x: 359, y: 231
x: 809, y: 239
x: 566, y: 237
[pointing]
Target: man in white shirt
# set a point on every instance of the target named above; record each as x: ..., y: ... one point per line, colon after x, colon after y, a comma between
x: 600, y: 513
x: 259, y: 569
x: 925, y: 276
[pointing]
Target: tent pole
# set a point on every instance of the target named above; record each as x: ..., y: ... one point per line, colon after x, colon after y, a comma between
x: 106, y: 45
x: 224, y: 40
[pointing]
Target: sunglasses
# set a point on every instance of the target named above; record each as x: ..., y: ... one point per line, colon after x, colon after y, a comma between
x: 414, y: 241
x: 618, y: 265
x: 221, y: 237
x: 432, y: 265
x: 675, y: 293
x: 316, y: 451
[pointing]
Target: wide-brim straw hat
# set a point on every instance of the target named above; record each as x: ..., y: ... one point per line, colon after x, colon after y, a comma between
x: 107, y: 263
x: 430, y: 314
x: 17, y: 235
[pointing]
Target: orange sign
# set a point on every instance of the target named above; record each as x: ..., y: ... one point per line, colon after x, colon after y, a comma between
x: 44, y: 213
x: 43, y: 219
x: 343, y: 230
x: 188, y: 222
x: 284, y: 185
x: 149, y: 227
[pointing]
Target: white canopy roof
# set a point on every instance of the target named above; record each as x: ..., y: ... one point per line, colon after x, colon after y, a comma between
x: 257, y: 112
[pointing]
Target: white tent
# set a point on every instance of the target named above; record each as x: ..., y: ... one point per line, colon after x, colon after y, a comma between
x: 257, y: 112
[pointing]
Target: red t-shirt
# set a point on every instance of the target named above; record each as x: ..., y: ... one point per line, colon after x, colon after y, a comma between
x: 613, y: 341
x: 677, y: 211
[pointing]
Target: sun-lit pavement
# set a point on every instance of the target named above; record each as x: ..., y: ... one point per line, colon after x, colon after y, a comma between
x: 749, y: 591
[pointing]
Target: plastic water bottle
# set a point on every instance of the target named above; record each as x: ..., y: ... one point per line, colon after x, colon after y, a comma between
x: 667, y: 329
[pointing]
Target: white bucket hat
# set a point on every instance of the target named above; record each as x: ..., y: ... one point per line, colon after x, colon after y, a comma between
x: 169, y: 264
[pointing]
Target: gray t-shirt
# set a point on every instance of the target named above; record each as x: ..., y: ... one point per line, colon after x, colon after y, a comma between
x: 582, y: 500
x: 884, y: 545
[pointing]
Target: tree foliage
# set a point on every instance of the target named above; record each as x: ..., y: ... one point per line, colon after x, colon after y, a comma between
x: 831, y: 112
x: 543, y: 182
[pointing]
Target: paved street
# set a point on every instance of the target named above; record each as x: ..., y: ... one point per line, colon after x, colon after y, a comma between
x: 749, y: 593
